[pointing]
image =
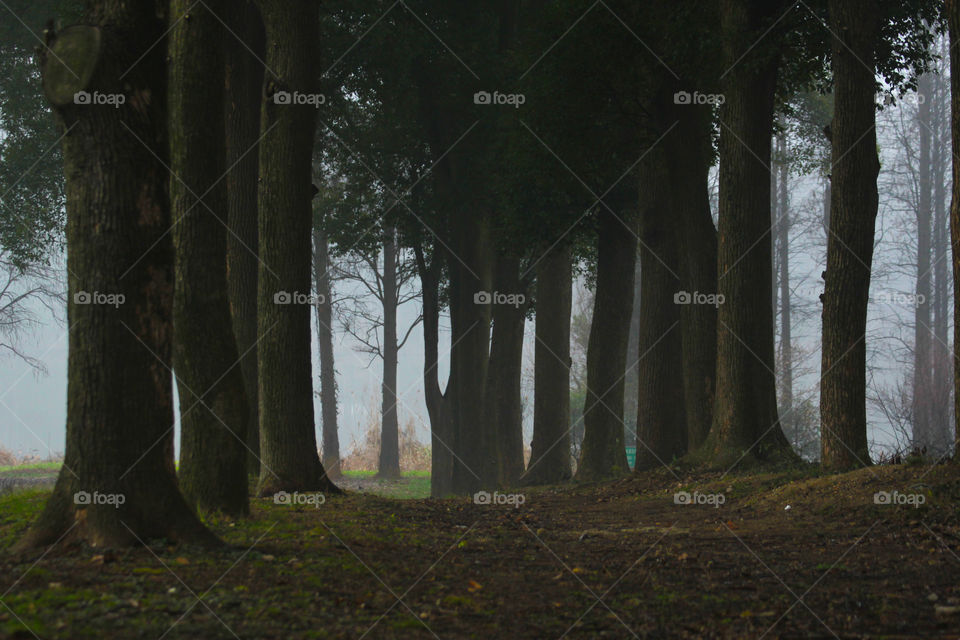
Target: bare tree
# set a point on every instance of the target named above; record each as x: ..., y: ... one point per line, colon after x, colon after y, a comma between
x: 387, y: 280
x: 27, y: 294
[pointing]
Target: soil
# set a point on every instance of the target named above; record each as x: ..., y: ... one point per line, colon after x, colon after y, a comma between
x: 690, y: 555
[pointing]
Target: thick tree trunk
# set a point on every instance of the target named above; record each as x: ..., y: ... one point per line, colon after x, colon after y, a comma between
x: 244, y: 85
x: 389, y: 424
x: 117, y: 485
x: 550, y: 449
x: 504, y: 407
x: 688, y: 149
x: 853, y: 212
x: 469, y: 355
x: 288, y: 443
x: 328, y: 374
x: 602, y: 455
x: 438, y: 406
x: 922, y: 329
x: 745, y: 421
x: 661, y: 415
x: 213, y: 408
x: 953, y: 17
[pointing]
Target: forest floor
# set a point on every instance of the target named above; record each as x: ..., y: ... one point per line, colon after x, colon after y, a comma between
x: 656, y: 555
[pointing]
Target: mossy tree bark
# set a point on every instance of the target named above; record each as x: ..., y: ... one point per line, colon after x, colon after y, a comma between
x: 745, y: 421
x: 213, y: 406
x: 244, y: 84
x: 661, y: 414
x: 550, y: 449
x: 119, y: 433
x: 602, y: 455
x: 288, y: 443
x: 853, y: 213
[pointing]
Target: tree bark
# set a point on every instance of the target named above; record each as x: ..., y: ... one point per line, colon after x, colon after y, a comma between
x: 631, y: 381
x: 550, y: 448
x: 783, y: 260
x: 468, y: 266
x: 119, y: 433
x: 389, y: 425
x: 661, y: 414
x: 504, y: 407
x: 745, y: 421
x: 328, y: 374
x: 244, y: 84
x: 922, y: 328
x: 689, y: 151
x: 438, y: 403
x: 602, y: 455
x: 288, y: 443
x: 941, y: 423
x: 953, y: 18
x: 853, y: 212
x: 213, y: 408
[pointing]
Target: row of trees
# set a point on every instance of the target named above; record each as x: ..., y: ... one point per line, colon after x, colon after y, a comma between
x: 502, y: 148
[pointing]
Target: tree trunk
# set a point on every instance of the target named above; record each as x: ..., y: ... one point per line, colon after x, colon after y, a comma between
x: 953, y: 17
x: 632, y: 379
x: 922, y: 328
x: 469, y: 355
x: 853, y: 212
x: 504, y: 407
x: 288, y: 443
x: 745, y: 421
x: 244, y: 85
x: 550, y: 449
x: 117, y: 485
x: 783, y: 260
x: 213, y: 409
x: 941, y: 423
x: 689, y: 151
x: 602, y: 455
x: 438, y: 406
x: 389, y: 425
x: 328, y: 374
x: 661, y: 415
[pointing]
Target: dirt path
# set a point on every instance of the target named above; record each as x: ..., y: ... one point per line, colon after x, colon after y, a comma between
x: 619, y: 560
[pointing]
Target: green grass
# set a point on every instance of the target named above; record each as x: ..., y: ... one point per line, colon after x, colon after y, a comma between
x: 413, y: 485
x: 34, y: 466
x: 17, y: 511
